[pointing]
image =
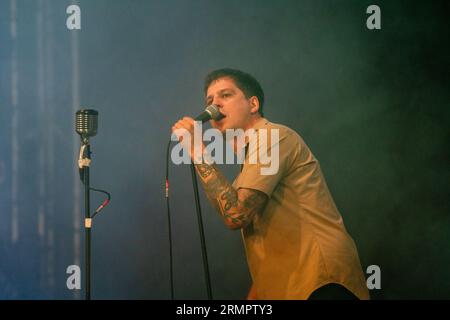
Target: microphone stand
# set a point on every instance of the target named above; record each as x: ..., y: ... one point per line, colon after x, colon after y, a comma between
x: 83, y: 163
x: 202, y: 234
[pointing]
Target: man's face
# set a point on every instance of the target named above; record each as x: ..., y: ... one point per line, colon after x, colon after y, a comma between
x: 232, y: 102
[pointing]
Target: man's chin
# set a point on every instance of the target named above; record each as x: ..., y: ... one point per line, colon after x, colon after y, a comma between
x: 219, y: 126
x: 222, y: 131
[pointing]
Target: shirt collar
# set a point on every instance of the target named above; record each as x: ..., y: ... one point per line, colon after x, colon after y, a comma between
x: 260, y: 123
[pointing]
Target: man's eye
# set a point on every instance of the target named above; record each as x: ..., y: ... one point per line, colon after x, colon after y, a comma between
x: 225, y: 95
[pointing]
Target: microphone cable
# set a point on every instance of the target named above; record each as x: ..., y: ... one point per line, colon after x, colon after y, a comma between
x: 104, y: 204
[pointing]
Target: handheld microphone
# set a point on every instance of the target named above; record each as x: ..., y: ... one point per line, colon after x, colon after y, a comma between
x: 211, y: 112
x: 86, y: 122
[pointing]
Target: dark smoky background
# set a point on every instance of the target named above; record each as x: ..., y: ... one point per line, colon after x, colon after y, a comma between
x: 373, y: 106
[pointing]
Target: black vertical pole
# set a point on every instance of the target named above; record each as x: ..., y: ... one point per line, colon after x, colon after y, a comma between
x: 87, y: 225
x: 202, y: 234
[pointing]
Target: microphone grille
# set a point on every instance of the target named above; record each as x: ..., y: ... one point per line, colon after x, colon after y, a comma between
x: 213, y: 110
x: 86, y: 122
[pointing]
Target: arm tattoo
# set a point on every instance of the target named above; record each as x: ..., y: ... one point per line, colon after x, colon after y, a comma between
x: 251, y: 201
x: 204, y: 170
x: 230, y: 198
x: 237, y: 207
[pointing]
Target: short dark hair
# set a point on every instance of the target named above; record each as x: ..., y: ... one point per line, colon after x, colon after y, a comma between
x: 244, y: 81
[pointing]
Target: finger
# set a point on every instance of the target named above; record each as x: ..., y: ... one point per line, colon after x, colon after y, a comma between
x: 187, y: 122
x: 179, y: 124
x: 186, y: 125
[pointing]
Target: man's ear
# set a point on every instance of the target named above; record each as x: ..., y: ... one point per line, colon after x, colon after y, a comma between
x: 254, y: 103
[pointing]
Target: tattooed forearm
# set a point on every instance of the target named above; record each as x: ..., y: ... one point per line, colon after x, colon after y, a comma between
x: 237, y: 207
x: 230, y: 199
x: 251, y: 201
x: 204, y: 170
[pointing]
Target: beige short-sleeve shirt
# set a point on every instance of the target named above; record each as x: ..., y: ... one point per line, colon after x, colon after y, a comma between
x: 299, y: 243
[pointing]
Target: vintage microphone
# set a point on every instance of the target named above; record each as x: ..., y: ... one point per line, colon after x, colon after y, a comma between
x: 86, y: 123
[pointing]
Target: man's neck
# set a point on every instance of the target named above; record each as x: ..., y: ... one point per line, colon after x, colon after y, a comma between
x: 253, y: 121
x: 250, y: 125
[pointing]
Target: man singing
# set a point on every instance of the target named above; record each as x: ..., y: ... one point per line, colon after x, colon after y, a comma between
x: 295, y: 240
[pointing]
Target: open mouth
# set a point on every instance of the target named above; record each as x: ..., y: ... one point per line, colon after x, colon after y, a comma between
x: 220, y: 118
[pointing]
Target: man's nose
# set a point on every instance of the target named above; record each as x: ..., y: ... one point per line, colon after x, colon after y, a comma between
x: 218, y: 102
